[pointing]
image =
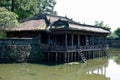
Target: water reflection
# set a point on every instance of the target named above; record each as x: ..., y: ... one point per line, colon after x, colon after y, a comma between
x: 113, y: 70
x: 95, y: 69
x: 110, y: 72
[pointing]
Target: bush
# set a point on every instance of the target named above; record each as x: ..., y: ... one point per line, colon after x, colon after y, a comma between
x: 21, y: 53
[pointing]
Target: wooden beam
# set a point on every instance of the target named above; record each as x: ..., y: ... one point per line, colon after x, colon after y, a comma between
x: 78, y: 32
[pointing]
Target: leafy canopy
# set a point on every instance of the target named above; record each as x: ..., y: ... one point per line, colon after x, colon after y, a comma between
x: 7, y: 19
x: 101, y: 24
x: 28, y: 8
x: 115, y: 34
x: 117, y: 31
x: 112, y: 36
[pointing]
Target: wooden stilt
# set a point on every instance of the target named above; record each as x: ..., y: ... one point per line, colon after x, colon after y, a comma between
x: 71, y: 56
x: 56, y: 57
x: 51, y: 56
x: 65, y: 57
x: 48, y: 57
x: 92, y: 54
x: 99, y: 53
x: 75, y: 56
x: 88, y: 54
x: 59, y: 57
x: 78, y: 56
x: 68, y: 57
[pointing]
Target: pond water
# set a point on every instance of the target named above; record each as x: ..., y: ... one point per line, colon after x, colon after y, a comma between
x: 95, y: 69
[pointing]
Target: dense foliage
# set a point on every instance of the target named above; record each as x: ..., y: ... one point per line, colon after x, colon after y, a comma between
x: 101, y: 24
x: 112, y: 36
x: 28, y: 8
x: 117, y: 31
x: 115, y: 34
x: 8, y: 19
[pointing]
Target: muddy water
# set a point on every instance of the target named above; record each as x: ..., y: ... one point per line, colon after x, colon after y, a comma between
x: 95, y: 69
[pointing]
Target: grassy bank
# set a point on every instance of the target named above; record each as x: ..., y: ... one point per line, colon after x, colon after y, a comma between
x: 114, y: 51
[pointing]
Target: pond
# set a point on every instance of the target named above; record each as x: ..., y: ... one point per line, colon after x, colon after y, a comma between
x: 95, y: 69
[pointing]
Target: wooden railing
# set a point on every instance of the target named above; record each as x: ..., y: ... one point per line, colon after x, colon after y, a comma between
x: 19, y: 41
x: 92, y: 47
x: 47, y: 48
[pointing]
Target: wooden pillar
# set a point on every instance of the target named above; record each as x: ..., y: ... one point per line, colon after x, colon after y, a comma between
x: 86, y: 38
x: 102, y: 41
x: 98, y: 40
x: 40, y: 40
x: 93, y: 40
x: 78, y: 40
x: 72, y: 38
x: 66, y: 41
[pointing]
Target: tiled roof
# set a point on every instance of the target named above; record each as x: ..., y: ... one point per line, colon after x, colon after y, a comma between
x: 30, y: 25
x: 87, y: 28
x: 46, y: 21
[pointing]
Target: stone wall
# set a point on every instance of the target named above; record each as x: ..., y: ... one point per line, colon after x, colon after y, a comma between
x: 20, y: 50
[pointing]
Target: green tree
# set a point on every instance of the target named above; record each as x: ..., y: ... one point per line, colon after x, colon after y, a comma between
x: 28, y: 8
x: 8, y: 19
x: 101, y: 24
x: 112, y: 36
x: 117, y: 32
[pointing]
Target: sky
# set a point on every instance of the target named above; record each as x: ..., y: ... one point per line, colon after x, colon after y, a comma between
x: 89, y: 11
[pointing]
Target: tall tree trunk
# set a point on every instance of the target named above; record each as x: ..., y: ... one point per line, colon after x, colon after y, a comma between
x: 12, y: 6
